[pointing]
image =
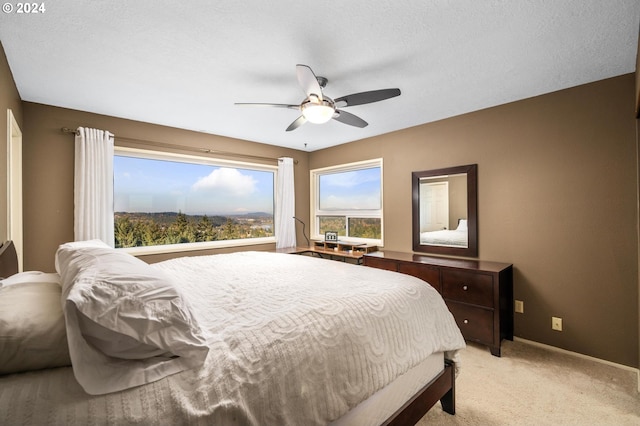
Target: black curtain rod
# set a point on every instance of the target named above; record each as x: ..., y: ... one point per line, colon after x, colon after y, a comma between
x: 186, y: 148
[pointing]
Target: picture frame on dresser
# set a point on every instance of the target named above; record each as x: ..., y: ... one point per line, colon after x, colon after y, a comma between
x: 331, y: 236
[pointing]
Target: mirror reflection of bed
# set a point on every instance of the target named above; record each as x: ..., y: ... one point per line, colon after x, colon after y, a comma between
x: 457, y: 237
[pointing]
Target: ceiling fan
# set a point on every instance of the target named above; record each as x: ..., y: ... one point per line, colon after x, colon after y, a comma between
x: 319, y: 108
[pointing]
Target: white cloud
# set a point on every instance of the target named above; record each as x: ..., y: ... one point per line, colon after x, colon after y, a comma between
x: 227, y: 181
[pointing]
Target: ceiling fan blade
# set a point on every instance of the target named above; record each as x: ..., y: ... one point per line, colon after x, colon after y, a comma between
x: 269, y: 105
x: 297, y: 123
x: 350, y: 119
x: 308, y: 81
x: 368, y: 97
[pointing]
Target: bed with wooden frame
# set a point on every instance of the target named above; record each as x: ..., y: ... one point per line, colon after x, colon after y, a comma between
x: 199, y: 394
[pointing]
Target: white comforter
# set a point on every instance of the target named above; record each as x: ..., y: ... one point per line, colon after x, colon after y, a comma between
x: 293, y: 340
x: 445, y: 237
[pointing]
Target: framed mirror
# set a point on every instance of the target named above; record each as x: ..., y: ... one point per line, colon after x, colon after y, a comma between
x: 445, y: 211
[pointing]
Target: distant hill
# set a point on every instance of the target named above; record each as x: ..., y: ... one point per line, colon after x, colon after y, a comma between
x: 253, y: 215
x: 167, y: 218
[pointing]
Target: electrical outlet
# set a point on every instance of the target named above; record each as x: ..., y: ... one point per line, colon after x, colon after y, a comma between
x: 556, y: 323
x: 519, y: 306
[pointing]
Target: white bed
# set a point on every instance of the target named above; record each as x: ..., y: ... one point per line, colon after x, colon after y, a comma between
x: 265, y: 338
x: 447, y: 237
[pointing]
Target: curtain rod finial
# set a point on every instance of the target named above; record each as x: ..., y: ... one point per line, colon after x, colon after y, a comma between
x: 68, y: 130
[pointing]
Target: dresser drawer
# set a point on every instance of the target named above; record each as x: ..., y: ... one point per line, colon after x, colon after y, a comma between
x: 475, y: 323
x: 428, y: 273
x: 468, y: 287
x: 374, y: 262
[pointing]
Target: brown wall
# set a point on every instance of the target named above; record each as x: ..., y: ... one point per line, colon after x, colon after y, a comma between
x: 556, y: 197
x: 9, y: 99
x: 458, y: 200
x: 48, y: 172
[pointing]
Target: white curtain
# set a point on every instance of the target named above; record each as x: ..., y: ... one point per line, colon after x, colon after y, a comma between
x: 285, y: 205
x: 93, y: 186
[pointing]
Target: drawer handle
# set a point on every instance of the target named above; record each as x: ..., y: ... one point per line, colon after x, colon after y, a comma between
x: 465, y: 287
x: 466, y: 321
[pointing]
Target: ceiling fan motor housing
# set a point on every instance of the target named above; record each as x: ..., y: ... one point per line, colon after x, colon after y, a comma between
x: 318, y: 111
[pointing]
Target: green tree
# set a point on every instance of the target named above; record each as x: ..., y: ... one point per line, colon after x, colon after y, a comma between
x: 205, y: 230
x: 151, y: 233
x: 124, y: 232
x: 258, y: 232
x: 365, y: 228
x: 229, y: 231
x: 181, y: 223
x: 181, y: 231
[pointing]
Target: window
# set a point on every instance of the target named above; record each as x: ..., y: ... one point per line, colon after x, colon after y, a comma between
x: 163, y: 199
x: 348, y: 199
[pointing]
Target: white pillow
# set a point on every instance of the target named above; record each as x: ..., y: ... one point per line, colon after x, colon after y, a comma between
x: 28, y: 277
x: 127, y: 323
x: 32, y: 330
x: 462, y: 225
x: 79, y: 244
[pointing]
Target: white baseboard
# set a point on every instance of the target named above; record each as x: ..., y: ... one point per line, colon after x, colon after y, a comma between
x: 579, y: 355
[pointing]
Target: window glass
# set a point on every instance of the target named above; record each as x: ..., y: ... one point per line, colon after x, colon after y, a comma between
x: 365, y: 227
x: 333, y: 223
x: 175, y: 201
x: 347, y: 199
x: 350, y: 190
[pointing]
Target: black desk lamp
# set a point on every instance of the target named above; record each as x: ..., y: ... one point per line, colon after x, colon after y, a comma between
x: 303, y: 233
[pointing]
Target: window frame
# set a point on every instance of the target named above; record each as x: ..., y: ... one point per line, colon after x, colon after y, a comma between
x: 203, y: 160
x: 316, y: 212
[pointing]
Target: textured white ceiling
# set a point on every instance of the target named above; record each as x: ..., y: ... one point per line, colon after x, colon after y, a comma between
x: 184, y: 64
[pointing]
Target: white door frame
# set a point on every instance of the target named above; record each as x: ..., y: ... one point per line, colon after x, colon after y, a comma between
x: 14, y: 186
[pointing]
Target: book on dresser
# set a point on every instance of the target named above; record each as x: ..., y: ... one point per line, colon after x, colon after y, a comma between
x: 478, y: 293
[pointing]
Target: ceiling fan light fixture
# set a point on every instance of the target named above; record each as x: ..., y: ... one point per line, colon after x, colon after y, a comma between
x: 318, y: 112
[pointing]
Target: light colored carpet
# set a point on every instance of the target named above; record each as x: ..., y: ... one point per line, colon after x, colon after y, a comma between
x: 532, y: 385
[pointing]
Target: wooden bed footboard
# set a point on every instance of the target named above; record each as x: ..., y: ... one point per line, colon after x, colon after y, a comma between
x: 442, y: 388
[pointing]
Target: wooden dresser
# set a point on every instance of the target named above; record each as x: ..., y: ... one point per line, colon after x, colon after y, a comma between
x: 478, y: 293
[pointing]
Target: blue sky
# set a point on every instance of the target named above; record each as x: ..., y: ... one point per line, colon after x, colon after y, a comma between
x: 151, y: 186
x: 358, y: 189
